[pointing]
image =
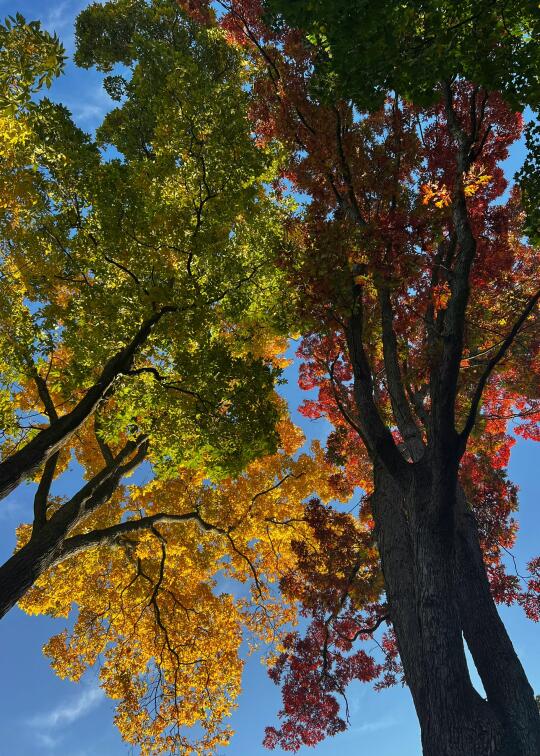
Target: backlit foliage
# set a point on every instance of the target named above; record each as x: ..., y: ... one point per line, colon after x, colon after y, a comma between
x: 164, y: 214
x: 138, y: 268
x: 174, y: 576
x: 170, y: 234
x: 378, y: 233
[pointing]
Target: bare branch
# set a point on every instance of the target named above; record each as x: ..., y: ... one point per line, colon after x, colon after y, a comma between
x: 368, y: 630
x: 98, y: 489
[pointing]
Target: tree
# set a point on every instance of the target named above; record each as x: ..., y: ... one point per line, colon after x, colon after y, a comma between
x: 140, y: 319
x: 418, y: 300
x: 363, y: 52
x: 134, y: 270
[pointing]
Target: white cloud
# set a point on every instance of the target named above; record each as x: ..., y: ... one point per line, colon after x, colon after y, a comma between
x: 88, y: 106
x: 47, y: 741
x: 61, y: 16
x: 58, y: 17
x: 89, y: 112
x: 66, y: 713
x: 378, y: 724
x: 61, y: 19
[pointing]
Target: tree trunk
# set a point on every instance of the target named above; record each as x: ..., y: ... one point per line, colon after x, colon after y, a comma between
x: 395, y: 549
x: 419, y: 557
x: 454, y: 719
x: 503, y: 677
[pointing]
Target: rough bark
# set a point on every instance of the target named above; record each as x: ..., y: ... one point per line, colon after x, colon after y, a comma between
x: 419, y: 577
x: 437, y: 588
x: 21, y: 571
x: 503, y: 677
x: 455, y: 721
x: 395, y: 549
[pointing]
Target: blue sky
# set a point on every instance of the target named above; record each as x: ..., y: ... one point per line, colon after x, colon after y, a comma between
x: 42, y: 714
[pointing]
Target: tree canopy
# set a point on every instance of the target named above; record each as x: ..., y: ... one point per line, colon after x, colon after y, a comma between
x: 159, y: 232
x: 363, y: 51
x: 168, y: 580
x: 420, y: 340
x: 150, y: 276
x: 141, y: 318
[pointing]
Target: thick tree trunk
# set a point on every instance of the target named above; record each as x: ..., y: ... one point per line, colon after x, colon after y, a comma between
x: 395, y: 548
x: 455, y: 721
x: 506, y: 685
x: 434, y: 592
x: 418, y: 568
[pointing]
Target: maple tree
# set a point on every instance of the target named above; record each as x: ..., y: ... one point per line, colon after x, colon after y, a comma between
x: 418, y: 299
x: 140, y: 322
x: 133, y: 270
x: 492, y: 44
x: 29, y: 58
x: 408, y: 274
x: 364, y: 52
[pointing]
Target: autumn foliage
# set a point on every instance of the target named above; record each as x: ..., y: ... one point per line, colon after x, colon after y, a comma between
x: 172, y: 577
x: 394, y: 199
x: 145, y: 305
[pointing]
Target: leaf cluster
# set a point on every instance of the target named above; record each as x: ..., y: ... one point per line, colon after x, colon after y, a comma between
x: 366, y: 50
x: 29, y: 58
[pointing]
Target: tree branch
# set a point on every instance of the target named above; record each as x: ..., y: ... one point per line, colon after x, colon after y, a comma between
x: 445, y: 374
x: 103, y: 447
x: 354, y: 209
x: 490, y: 367
x: 98, y: 489
x: 376, y: 435
x: 276, y: 485
x: 400, y: 405
x: 36, y: 452
x: 170, y: 384
x: 44, y: 395
x: 42, y: 493
x: 114, y: 534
